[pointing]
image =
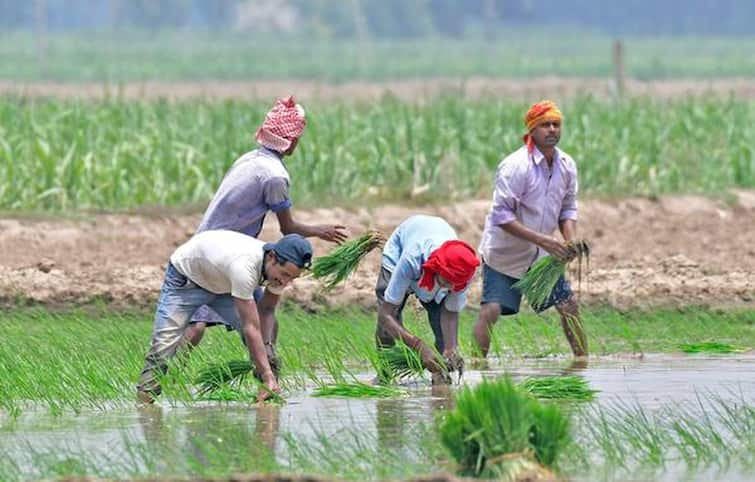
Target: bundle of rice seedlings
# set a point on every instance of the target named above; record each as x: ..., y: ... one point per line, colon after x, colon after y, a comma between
x: 497, y: 430
x: 398, y: 362
x: 559, y: 388
x: 221, y: 374
x: 537, y: 284
x: 710, y: 347
x: 357, y: 390
x: 337, y: 265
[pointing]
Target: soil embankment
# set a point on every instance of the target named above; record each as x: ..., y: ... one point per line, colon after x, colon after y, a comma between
x: 672, y: 251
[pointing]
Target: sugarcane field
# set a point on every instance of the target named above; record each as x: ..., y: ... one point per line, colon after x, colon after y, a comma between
x: 278, y: 240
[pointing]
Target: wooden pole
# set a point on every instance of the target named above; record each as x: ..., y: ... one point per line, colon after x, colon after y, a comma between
x: 618, y: 67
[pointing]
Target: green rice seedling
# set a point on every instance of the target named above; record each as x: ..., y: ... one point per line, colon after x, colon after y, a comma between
x: 559, y: 388
x: 398, y: 362
x: 495, y: 424
x: 215, y: 376
x: 357, y: 390
x: 337, y: 265
x: 709, y: 347
x: 537, y: 284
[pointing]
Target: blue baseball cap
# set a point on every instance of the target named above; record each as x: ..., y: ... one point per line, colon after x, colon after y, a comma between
x: 293, y: 248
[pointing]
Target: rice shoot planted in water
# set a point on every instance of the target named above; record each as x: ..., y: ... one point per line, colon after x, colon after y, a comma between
x: 337, y: 265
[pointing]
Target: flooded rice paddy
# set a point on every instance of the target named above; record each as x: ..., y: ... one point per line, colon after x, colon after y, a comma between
x: 636, y: 428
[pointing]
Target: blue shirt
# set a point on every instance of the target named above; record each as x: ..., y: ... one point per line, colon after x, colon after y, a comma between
x: 407, y: 249
x: 256, y: 183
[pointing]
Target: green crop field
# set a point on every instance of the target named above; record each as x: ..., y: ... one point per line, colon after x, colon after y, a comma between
x: 514, y: 52
x: 68, y: 154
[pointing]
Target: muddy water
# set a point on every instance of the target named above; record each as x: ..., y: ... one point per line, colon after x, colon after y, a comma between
x: 127, y: 436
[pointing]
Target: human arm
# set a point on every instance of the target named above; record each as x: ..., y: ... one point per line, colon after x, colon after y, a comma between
x: 449, y: 326
x: 334, y: 233
x: 251, y: 330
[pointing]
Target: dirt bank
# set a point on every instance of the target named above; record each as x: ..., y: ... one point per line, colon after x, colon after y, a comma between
x: 670, y: 251
x: 412, y: 90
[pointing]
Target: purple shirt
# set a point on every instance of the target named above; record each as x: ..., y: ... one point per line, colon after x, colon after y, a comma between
x: 527, y: 190
x: 256, y: 183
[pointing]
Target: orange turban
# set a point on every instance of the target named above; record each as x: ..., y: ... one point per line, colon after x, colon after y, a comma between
x: 284, y: 123
x: 545, y: 110
x: 455, y: 260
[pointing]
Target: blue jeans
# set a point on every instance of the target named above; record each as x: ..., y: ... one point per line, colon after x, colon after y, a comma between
x: 179, y: 299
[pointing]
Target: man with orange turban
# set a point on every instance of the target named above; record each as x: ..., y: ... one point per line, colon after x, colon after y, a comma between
x: 535, y: 194
x: 258, y: 182
x: 423, y: 257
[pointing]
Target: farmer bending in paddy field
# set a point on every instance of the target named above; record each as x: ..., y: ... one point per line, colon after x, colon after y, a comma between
x: 258, y: 182
x: 535, y: 193
x: 423, y: 256
x: 223, y: 270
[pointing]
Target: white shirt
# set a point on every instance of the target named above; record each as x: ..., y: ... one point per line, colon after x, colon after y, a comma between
x: 222, y: 262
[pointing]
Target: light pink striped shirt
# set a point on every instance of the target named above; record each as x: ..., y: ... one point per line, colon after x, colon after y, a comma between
x: 527, y: 190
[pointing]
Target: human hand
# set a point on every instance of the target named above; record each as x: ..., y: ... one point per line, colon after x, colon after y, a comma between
x: 454, y: 361
x: 270, y: 388
x: 429, y: 358
x: 335, y: 233
x: 557, y: 249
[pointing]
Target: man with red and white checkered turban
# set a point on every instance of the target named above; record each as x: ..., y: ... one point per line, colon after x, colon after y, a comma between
x: 283, y: 126
x: 257, y: 183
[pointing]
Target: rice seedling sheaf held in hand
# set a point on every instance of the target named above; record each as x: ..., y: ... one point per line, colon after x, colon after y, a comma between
x: 398, y: 362
x: 537, y: 284
x: 559, y: 388
x: 357, y: 390
x: 218, y: 375
x: 710, y: 347
x: 498, y: 430
x: 337, y: 265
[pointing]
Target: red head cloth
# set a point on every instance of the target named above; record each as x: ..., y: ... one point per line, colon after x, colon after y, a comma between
x: 455, y: 260
x: 545, y: 110
x: 284, y: 123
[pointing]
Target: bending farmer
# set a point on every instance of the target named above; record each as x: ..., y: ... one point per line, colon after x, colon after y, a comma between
x: 223, y: 270
x: 423, y: 256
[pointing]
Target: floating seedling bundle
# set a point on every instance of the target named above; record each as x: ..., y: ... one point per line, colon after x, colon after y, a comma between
x: 559, y: 388
x: 357, y: 390
x: 537, y: 284
x: 710, y: 347
x: 498, y: 430
x: 337, y: 265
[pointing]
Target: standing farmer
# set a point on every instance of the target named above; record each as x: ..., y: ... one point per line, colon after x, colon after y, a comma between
x: 423, y: 256
x: 258, y: 182
x: 222, y: 270
x: 535, y: 193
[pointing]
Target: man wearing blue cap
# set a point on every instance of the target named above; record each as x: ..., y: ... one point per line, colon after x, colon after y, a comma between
x: 223, y: 270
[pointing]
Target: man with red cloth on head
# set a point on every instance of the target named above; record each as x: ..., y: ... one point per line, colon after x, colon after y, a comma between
x: 258, y: 182
x: 423, y: 257
x: 535, y: 193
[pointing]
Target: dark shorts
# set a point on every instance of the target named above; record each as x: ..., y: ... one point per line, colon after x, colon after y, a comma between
x: 433, y: 311
x: 497, y: 288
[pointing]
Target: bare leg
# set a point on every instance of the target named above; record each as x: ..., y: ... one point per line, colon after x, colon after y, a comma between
x: 572, y: 325
x: 489, y: 313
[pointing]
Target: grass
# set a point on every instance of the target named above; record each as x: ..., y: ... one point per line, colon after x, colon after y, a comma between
x: 60, y: 155
x: 572, y: 388
x: 72, y: 361
x: 494, y: 425
x: 709, y: 347
x: 519, y: 52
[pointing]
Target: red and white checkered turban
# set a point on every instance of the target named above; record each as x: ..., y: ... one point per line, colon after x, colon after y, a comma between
x: 284, y: 123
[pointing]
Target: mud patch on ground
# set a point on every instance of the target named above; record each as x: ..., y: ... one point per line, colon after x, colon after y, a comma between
x: 670, y: 251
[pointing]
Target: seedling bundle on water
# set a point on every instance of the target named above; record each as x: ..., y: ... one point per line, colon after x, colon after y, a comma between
x: 496, y: 430
x: 337, y: 265
x: 559, y: 388
x: 537, y: 284
x: 356, y: 390
x: 710, y: 347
